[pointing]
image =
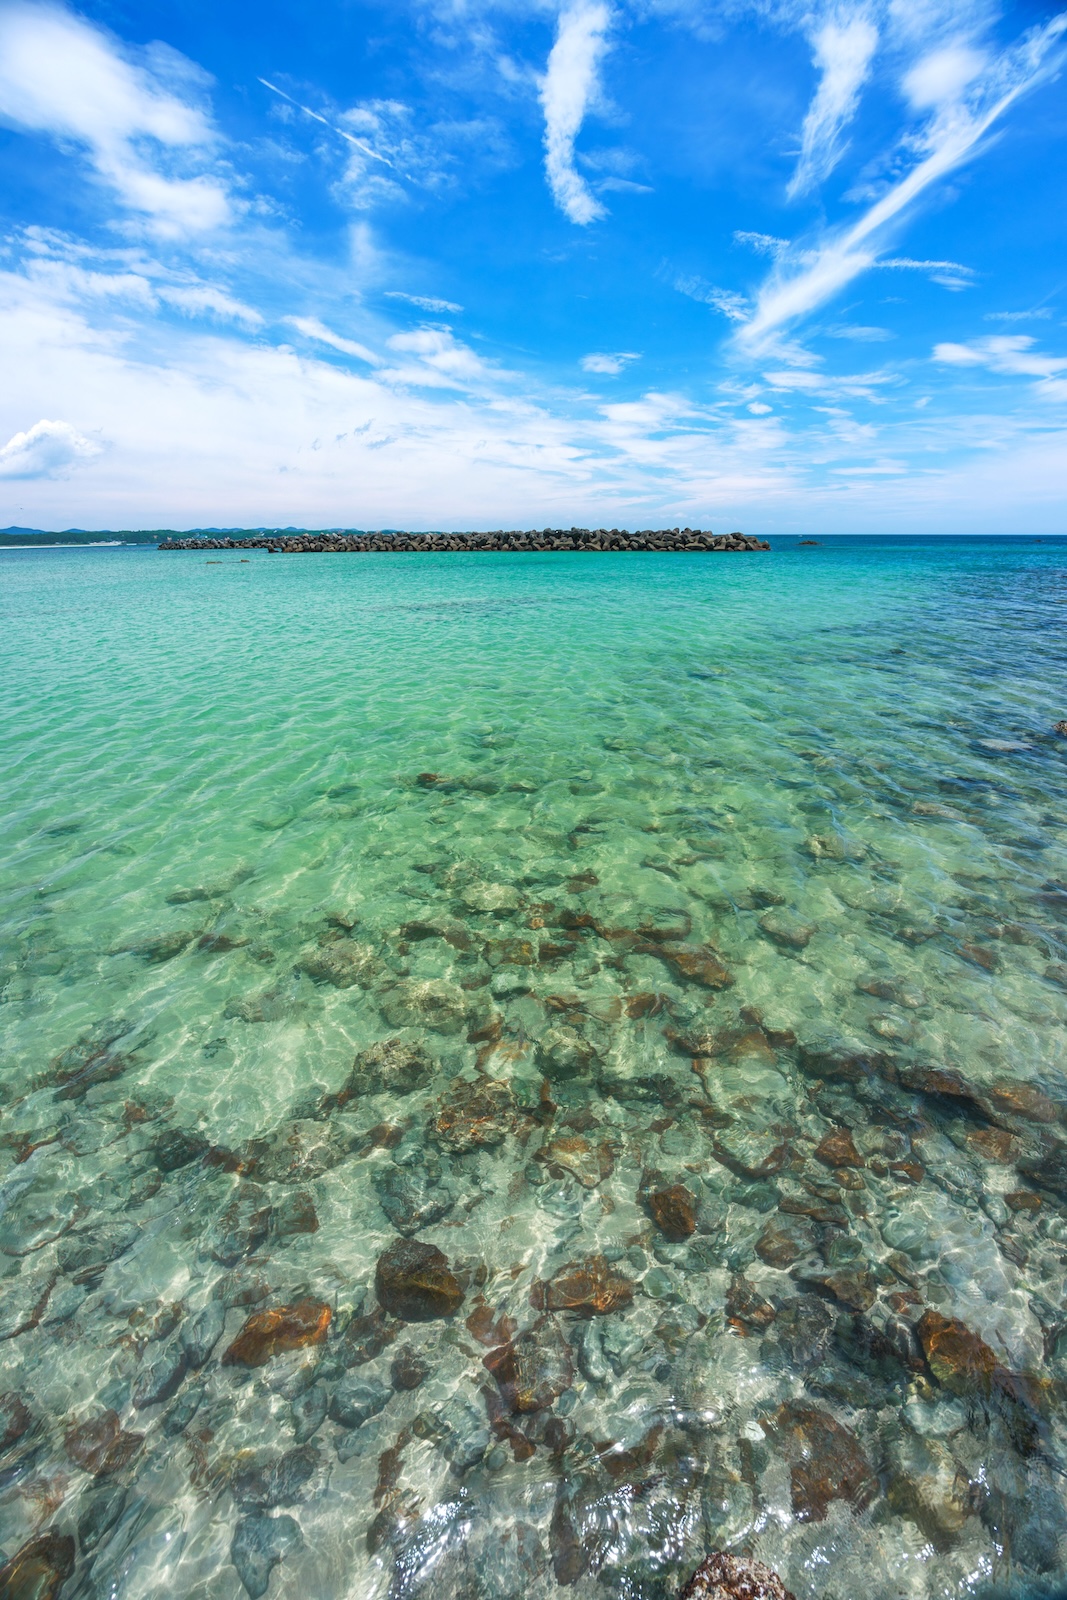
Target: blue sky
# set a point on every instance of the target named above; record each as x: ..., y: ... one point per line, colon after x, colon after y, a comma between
x: 767, y: 264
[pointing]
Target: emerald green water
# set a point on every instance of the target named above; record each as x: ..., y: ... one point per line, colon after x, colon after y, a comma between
x: 258, y: 817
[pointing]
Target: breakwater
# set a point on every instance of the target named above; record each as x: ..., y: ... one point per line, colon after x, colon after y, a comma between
x: 598, y: 539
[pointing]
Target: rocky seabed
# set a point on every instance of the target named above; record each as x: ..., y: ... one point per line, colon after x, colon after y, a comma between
x: 588, y: 1266
x: 585, y: 539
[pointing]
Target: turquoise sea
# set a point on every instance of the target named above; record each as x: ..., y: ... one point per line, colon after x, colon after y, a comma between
x: 672, y: 950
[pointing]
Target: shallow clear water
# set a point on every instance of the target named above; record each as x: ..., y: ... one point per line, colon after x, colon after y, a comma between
x: 713, y: 868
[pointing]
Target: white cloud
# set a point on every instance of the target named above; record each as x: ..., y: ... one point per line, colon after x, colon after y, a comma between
x: 796, y: 380
x: 203, y: 299
x: 728, y: 301
x: 949, y: 139
x: 62, y: 77
x: 569, y: 86
x: 949, y: 274
x: 765, y: 244
x: 266, y: 436
x: 861, y: 334
x: 1010, y: 354
x: 425, y: 302
x: 844, y: 47
x: 942, y: 76
x: 610, y: 365
x: 312, y: 328
x: 47, y: 450
x: 441, y: 361
x: 758, y: 409
x: 1017, y: 316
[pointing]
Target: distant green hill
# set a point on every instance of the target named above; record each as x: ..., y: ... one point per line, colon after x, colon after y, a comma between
x: 10, y: 537
x: 35, y: 536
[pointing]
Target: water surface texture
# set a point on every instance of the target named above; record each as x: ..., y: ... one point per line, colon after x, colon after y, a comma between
x: 517, y: 1072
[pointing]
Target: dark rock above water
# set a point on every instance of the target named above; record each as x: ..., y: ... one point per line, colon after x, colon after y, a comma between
x: 584, y: 539
x: 724, y: 1577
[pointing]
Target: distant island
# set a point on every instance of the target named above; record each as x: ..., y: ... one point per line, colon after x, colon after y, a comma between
x: 546, y: 539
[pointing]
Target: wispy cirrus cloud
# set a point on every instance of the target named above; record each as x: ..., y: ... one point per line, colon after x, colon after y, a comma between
x: 729, y: 302
x: 202, y: 299
x: 765, y: 244
x: 317, y: 331
x: 62, y: 77
x: 949, y: 274
x: 808, y: 279
x: 1010, y: 355
x: 844, y: 46
x: 609, y: 365
x: 425, y: 302
x: 569, y: 87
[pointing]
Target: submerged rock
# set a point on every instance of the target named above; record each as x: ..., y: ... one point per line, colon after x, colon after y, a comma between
x: 533, y: 1369
x: 673, y: 1210
x: 747, y: 1311
x: 85, y: 1255
x: 160, y: 1377
x: 826, y: 1460
x: 694, y: 963
x: 161, y: 947
x: 510, y: 953
x: 38, y: 1215
x: 431, y: 1003
x: 590, y: 1287
x: 928, y: 1485
x: 572, y: 1156
x: 24, y: 1299
x: 408, y: 1369
x: 563, y: 1053
x: 491, y: 899
x: 297, y: 1152
x: 259, y: 1543
x: 726, y: 1577
x: 838, y: 1149
x: 177, y: 1148
x: 39, y: 1570
x: 413, y: 1196
x: 307, y: 1412
x: 751, y: 1153
x: 294, y: 1214
x: 365, y: 1338
x: 265, y: 1481
x: 395, y: 1066
x: 784, y: 1241
x: 271, y: 1333
x: 357, y: 1399
x: 413, y: 1282
x: 344, y: 964
x: 786, y: 930
x: 474, y: 1116
x: 463, y: 1433
x: 241, y: 1227
x: 960, y: 1361
x: 15, y: 1420
x: 100, y: 1445
x: 100, y: 1512
x: 851, y: 1284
